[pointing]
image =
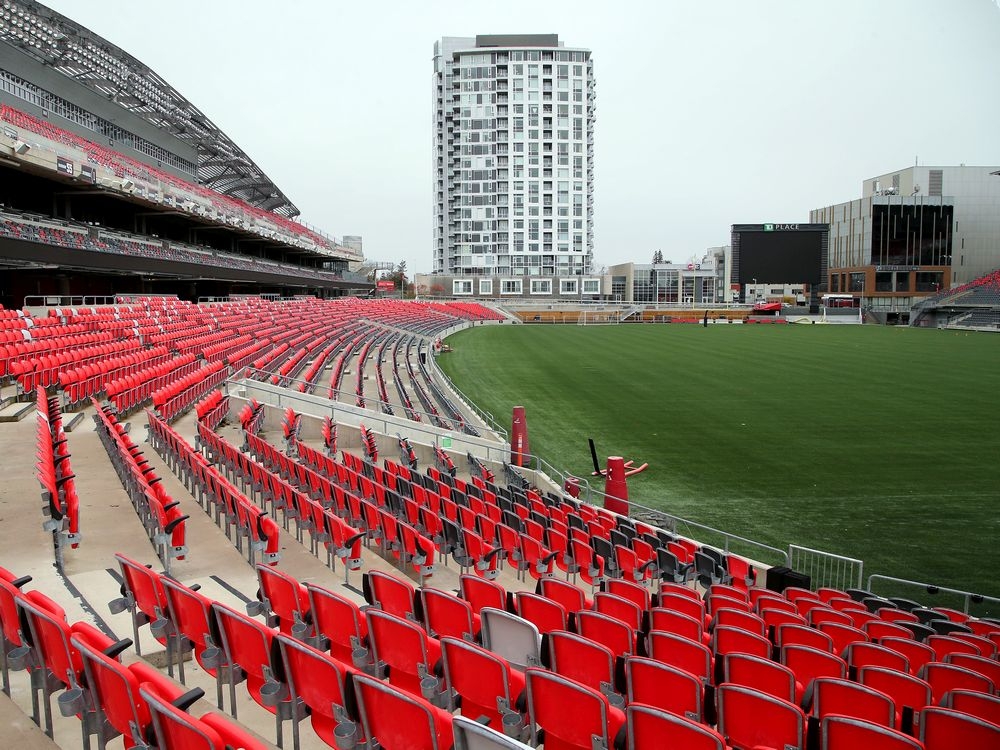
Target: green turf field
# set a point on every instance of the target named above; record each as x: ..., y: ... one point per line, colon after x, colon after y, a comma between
x: 872, y: 442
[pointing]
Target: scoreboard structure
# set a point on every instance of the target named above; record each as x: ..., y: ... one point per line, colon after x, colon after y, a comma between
x: 780, y: 254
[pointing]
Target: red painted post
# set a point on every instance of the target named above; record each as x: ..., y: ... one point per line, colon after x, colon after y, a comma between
x: 519, y: 450
x: 615, y: 486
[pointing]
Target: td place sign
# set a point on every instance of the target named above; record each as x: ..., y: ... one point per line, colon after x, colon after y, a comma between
x: 780, y: 227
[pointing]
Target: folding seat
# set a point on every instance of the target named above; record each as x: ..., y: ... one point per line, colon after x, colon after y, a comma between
x: 664, y: 687
x: 728, y: 640
x: 714, y: 602
x: 828, y: 695
x: 144, y: 598
x: 987, y: 648
x: 609, y: 631
x: 846, y: 605
x: 864, y: 654
x: 749, y: 718
x: 547, y: 615
x: 481, y: 558
x: 775, y: 618
x: 809, y: 664
x: 671, y: 568
x: 848, y: 733
x: 176, y: 729
x: 48, y: 652
x: 481, y: 593
x: 190, y: 612
x: 285, y: 600
x: 736, y: 618
x: 895, y: 614
x: 510, y: 637
x: 388, y: 593
x: 481, y: 683
x: 114, y: 691
x: 395, y: 719
x: 945, y: 729
x: 944, y: 645
x: 323, y: 684
x: 916, y: 653
x: 678, y: 623
x: 841, y: 635
x: 534, y: 558
x: 248, y: 647
x: 761, y: 598
x: 694, y: 608
x: 989, y: 668
x: 741, y: 574
x: 633, y: 567
x: 10, y: 626
x: 980, y: 705
x: 910, y: 694
x: 762, y: 674
x: 621, y: 609
x: 944, y: 677
x: 824, y: 614
x: 570, y: 596
x: 648, y: 727
x: 590, y: 566
x: 403, y: 648
x: 593, y: 722
x: 444, y: 614
x: 582, y: 660
x: 691, y: 656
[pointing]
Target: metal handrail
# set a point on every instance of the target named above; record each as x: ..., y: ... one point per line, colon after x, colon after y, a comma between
x: 968, y: 597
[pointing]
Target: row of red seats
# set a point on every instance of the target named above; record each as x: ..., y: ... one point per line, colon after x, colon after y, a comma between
x: 61, y: 503
x: 83, y: 664
x: 327, y: 528
x: 161, y: 516
x: 81, y: 383
x: 131, y: 391
x: 45, y: 368
x: 212, y: 409
x: 12, y: 352
x: 221, y: 344
x: 233, y: 511
x: 176, y: 397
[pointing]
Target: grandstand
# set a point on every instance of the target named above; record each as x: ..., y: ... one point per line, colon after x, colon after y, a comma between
x: 110, y: 174
x: 973, y: 306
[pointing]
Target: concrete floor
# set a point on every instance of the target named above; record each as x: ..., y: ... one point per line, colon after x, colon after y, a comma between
x: 109, y: 524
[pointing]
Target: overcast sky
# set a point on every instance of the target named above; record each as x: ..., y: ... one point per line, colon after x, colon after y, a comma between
x: 709, y: 112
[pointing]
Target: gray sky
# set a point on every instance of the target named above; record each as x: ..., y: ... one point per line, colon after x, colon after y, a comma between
x: 709, y: 112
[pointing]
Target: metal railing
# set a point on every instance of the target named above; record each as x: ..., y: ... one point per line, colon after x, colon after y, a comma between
x: 826, y: 568
x: 484, y: 415
x: 932, y: 595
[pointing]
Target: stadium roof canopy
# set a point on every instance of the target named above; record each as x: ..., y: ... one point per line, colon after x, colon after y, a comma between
x: 89, y: 59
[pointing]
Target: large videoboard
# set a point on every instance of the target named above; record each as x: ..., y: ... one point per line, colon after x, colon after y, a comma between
x: 780, y: 253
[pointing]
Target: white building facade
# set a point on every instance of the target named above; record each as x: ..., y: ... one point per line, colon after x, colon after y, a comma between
x: 513, y: 161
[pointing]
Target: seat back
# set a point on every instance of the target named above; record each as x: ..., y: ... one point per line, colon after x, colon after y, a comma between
x: 398, y: 720
x: 986, y: 707
x: 649, y: 727
x: 191, y: 614
x: 944, y: 729
x: 671, y: 621
x: 906, y: 691
x: 865, y: 654
x: 549, y: 696
x: 809, y: 664
x: 480, y: 593
x: 801, y: 635
x: 761, y: 674
x: 546, y: 614
x: 580, y: 659
x: 388, y: 593
x: 944, y: 677
x: 50, y: 639
x: 571, y: 597
x: 285, y: 597
x: 610, y: 631
x: 663, y: 687
x: 619, y: 608
x: 401, y: 645
x: 693, y: 657
x: 446, y: 615
x: 828, y: 695
x: 684, y: 604
x: 321, y: 682
x: 247, y: 645
x: 484, y: 682
x: 337, y: 619
x: 849, y: 733
x: 178, y: 729
x: 748, y: 718
x: 916, y: 653
x: 989, y: 668
x: 510, y: 637
x: 634, y: 592
x: 736, y: 618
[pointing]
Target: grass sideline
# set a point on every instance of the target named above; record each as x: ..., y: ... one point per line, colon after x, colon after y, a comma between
x: 872, y: 442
